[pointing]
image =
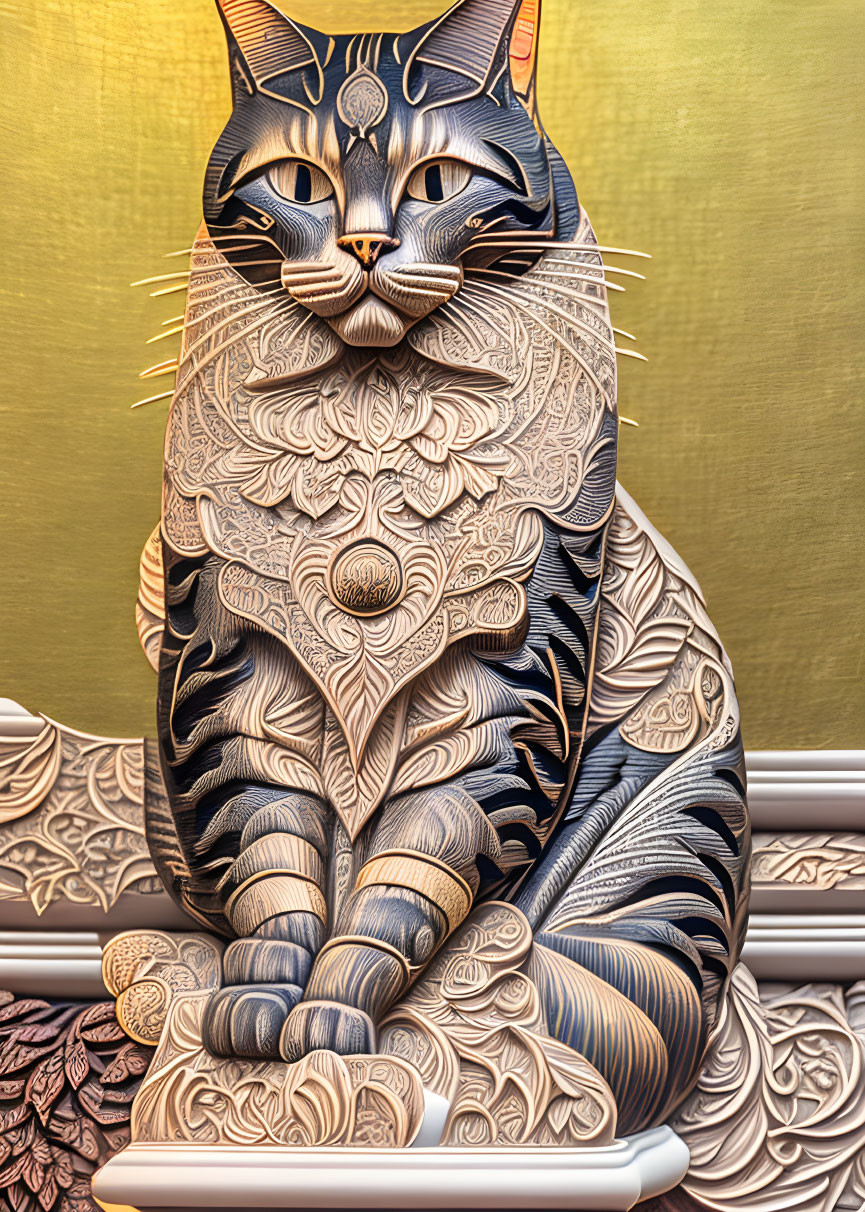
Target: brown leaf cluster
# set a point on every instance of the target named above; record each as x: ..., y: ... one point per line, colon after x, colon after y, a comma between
x: 68, y: 1075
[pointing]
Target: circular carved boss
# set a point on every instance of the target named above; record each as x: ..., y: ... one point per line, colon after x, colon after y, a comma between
x: 366, y: 578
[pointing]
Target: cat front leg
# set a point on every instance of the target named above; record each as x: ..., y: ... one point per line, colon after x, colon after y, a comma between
x: 417, y: 883
x: 275, y: 902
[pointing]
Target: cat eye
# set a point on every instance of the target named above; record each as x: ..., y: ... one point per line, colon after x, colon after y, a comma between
x: 438, y: 180
x: 297, y: 181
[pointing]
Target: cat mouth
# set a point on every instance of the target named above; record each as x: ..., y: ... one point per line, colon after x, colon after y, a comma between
x: 371, y: 321
x: 374, y: 306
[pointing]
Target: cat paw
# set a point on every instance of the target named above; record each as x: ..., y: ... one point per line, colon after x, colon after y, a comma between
x: 329, y: 1026
x: 248, y: 1020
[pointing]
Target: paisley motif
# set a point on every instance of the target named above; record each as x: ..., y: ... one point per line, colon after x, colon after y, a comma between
x: 443, y: 456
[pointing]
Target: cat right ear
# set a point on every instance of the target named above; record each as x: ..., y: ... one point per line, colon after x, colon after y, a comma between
x: 265, y: 47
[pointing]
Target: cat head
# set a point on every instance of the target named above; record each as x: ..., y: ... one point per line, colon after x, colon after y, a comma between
x: 362, y: 174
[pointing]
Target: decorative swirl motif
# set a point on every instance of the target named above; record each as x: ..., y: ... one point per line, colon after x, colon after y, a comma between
x: 658, y: 653
x: 777, y: 1118
x: 71, y: 806
x: 810, y: 860
x: 143, y: 970
x: 150, y: 607
x: 366, y: 578
x: 474, y: 1030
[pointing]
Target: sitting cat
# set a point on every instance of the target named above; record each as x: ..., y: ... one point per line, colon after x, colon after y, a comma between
x: 418, y: 651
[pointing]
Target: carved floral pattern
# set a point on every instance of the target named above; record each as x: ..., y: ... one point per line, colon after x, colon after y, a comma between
x: 809, y: 860
x: 777, y: 1118
x: 324, y: 1099
x: 660, y: 664
x: 284, y: 450
x: 71, y: 807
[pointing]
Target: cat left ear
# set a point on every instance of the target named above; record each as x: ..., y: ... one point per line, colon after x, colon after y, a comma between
x: 467, y: 50
x: 523, y: 53
x: 266, y: 44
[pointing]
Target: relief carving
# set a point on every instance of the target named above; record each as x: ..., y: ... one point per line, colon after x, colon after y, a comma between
x: 809, y: 860
x: 68, y: 1075
x: 777, y: 1118
x: 450, y: 747
x: 71, y: 815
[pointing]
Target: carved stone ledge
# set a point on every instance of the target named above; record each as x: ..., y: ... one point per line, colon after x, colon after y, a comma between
x: 43, y: 964
x: 372, y: 1131
x: 614, y: 1177
x: 822, y: 947
x: 72, y: 844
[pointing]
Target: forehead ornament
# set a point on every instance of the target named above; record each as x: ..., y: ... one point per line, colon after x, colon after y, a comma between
x: 362, y: 103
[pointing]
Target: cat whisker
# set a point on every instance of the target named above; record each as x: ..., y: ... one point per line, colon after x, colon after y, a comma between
x: 256, y: 239
x: 169, y: 332
x: 168, y: 290
x: 627, y: 353
x: 610, y: 269
x: 488, y: 319
x: 259, y: 305
x: 173, y: 320
x: 462, y: 304
x: 553, y: 273
x: 628, y: 421
x: 197, y: 269
x: 254, y: 324
x: 183, y: 252
x: 191, y: 323
x: 198, y: 319
x: 456, y: 320
x: 519, y: 302
x: 161, y: 368
x: 541, y: 243
x: 183, y: 273
x: 231, y: 287
x: 552, y: 285
x: 622, y: 333
x: 512, y: 292
x: 163, y: 395
x: 252, y: 316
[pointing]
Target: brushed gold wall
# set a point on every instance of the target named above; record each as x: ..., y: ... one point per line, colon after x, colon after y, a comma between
x: 725, y: 138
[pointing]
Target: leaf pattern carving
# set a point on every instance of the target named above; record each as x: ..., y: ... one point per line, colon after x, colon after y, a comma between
x: 67, y: 1108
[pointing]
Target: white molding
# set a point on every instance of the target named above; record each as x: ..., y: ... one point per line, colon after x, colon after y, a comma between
x: 189, y: 1177
x: 799, y: 789
x: 761, y: 761
x: 806, y: 947
x: 56, y: 964
x: 779, y: 946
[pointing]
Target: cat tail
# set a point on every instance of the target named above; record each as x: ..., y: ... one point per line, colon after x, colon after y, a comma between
x: 640, y: 904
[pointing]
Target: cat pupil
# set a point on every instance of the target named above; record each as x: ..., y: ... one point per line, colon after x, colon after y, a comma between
x: 303, y: 184
x: 433, y: 183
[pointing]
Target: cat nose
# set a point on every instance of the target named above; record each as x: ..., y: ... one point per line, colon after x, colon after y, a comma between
x: 367, y: 246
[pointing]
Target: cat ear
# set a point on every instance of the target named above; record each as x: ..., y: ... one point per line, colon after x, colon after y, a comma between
x: 265, y: 44
x: 473, y: 43
x: 523, y: 52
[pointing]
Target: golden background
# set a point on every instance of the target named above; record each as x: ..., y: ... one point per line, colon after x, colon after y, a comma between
x: 724, y: 138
